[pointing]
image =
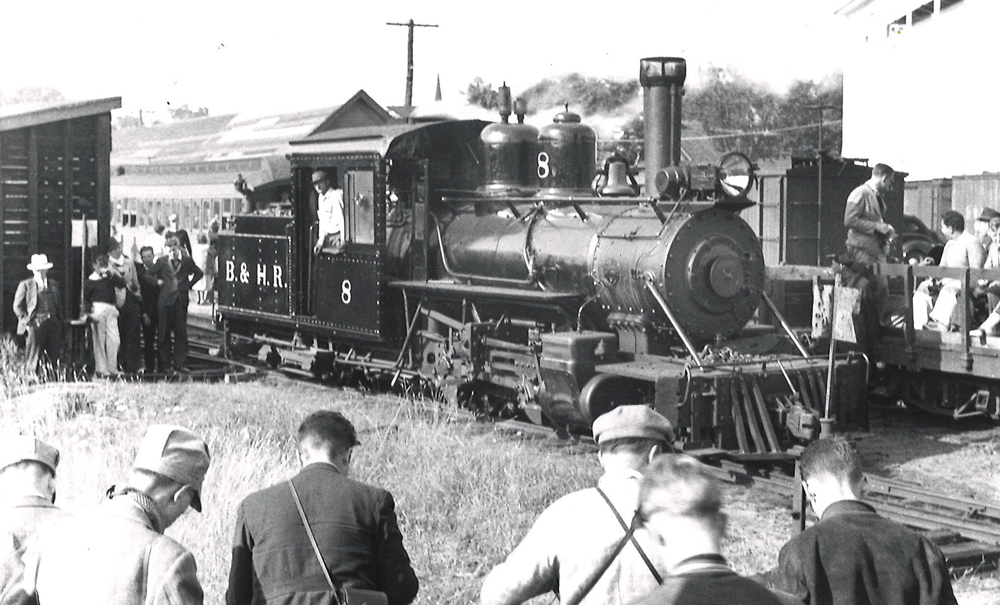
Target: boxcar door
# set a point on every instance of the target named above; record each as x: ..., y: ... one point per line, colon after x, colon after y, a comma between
x: 348, y: 286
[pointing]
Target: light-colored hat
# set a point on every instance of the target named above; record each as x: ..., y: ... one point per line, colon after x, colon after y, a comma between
x: 632, y: 421
x: 39, y: 262
x: 175, y: 453
x: 27, y: 449
x: 172, y: 218
x: 318, y: 176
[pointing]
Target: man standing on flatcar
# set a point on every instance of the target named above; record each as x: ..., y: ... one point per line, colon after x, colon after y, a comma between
x: 38, y: 307
x: 868, y: 234
x: 589, y: 546
x: 330, y: 212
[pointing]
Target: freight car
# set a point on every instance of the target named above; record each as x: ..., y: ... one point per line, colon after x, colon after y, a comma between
x: 494, y: 264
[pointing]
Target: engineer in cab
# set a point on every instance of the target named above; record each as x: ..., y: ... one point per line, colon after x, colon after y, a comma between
x: 330, y: 212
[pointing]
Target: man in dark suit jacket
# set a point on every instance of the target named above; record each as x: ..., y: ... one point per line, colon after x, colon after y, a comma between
x: 175, y: 273
x: 149, y: 306
x: 852, y: 555
x: 354, y: 525
x: 38, y: 307
x: 181, y: 234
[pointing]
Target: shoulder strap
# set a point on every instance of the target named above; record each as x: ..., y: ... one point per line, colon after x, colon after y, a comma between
x: 592, y: 579
x: 312, y: 540
x: 630, y: 533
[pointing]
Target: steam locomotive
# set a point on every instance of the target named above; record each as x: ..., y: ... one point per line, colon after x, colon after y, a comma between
x: 494, y: 264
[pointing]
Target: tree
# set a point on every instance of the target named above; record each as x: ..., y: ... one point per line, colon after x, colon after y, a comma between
x: 482, y: 94
x: 588, y: 95
x: 729, y: 104
x: 798, y: 113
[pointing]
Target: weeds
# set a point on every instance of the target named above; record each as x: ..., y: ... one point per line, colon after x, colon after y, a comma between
x: 465, y: 495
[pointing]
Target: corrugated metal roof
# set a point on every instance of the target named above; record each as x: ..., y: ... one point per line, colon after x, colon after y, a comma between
x: 214, y: 138
x: 14, y: 117
x: 367, y: 139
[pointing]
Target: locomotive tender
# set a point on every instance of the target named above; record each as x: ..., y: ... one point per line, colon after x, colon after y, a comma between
x: 494, y: 263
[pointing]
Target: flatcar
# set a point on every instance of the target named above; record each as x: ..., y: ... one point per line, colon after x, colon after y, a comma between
x: 494, y: 264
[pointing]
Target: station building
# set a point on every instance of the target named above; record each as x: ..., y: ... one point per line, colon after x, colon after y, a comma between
x: 191, y: 167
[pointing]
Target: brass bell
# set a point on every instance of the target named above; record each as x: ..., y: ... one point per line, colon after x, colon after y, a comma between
x: 617, y: 184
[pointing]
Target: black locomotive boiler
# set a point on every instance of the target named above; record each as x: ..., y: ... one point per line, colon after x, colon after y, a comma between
x: 497, y: 265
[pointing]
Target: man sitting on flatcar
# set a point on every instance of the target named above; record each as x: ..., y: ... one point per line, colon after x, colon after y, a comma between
x: 330, y: 212
x: 962, y: 251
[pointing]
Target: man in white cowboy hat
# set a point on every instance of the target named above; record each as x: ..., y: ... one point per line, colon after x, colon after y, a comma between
x: 330, y: 212
x: 38, y: 306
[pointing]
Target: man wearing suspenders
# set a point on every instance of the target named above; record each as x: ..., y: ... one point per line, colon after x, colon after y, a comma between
x: 587, y: 547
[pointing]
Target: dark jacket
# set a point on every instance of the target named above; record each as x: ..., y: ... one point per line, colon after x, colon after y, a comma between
x: 855, y: 557
x: 355, y: 526
x: 710, y: 586
x: 101, y: 289
x: 149, y: 288
x: 174, y: 281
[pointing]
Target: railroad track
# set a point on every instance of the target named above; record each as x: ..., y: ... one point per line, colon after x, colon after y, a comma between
x: 967, y: 531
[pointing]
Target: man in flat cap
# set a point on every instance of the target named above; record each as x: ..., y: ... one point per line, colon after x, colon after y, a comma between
x: 681, y: 503
x: 27, y: 487
x: 38, y: 307
x: 117, y: 553
x: 330, y: 212
x: 588, y: 546
x: 354, y: 526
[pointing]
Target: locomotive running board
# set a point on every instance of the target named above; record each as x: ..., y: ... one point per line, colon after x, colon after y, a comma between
x: 460, y: 290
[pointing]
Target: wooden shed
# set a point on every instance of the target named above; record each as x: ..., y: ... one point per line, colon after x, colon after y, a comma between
x: 54, y: 169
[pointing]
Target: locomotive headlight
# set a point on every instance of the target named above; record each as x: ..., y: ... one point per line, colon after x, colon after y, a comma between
x: 733, y: 177
x: 735, y: 174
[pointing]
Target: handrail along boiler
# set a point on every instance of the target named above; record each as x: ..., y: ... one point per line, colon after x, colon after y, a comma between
x: 496, y: 264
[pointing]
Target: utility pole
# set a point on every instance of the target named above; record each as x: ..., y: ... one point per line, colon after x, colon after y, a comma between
x: 409, y: 58
x: 819, y: 189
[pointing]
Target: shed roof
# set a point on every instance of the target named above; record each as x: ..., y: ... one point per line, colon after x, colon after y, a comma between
x: 15, y: 117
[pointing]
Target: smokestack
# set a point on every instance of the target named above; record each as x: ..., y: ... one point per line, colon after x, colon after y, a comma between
x: 662, y: 80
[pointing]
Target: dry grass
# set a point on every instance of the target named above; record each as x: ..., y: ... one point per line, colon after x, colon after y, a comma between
x: 465, y: 494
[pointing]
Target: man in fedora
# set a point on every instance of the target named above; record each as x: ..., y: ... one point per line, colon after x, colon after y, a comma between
x: 117, y: 553
x: 330, y: 212
x: 27, y: 487
x: 578, y: 545
x: 38, y: 307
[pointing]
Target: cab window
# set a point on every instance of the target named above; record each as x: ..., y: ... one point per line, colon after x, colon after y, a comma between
x: 359, y: 206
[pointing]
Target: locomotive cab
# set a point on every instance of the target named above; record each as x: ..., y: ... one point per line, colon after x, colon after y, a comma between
x: 270, y: 274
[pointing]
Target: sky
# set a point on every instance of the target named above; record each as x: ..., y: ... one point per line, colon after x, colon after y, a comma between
x: 260, y: 56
